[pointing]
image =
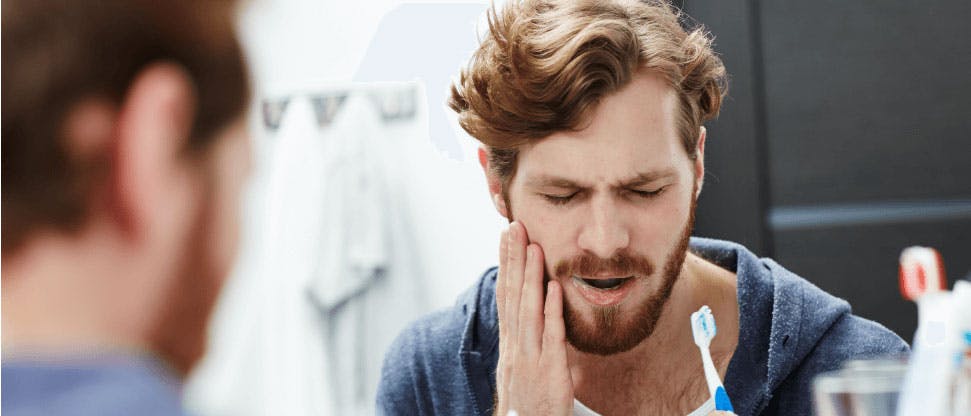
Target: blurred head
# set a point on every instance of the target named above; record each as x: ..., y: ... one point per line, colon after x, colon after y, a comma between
x: 123, y: 128
x: 590, y: 114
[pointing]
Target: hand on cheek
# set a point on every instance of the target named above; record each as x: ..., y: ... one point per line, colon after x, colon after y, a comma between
x: 532, y: 377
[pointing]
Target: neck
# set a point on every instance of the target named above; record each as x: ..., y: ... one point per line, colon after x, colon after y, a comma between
x: 669, y: 357
x: 65, y: 296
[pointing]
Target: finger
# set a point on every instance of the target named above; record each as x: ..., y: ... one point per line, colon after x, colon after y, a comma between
x: 504, y: 368
x: 554, y: 357
x: 531, y: 305
x: 501, y: 378
x: 501, y: 368
x: 515, y: 264
x: 554, y: 329
x: 507, y: 319
x: 501, y: 282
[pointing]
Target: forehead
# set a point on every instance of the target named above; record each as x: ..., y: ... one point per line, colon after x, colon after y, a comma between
x: 631, y: 131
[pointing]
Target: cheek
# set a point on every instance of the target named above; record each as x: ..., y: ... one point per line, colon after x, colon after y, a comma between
x: 656, y: 228
x: 540, y: 220
x: 553, y: 228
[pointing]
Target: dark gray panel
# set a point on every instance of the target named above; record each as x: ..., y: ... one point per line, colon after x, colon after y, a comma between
x: 827, y: 216
x: 867, y: 100
x: 731, y: 205
x: 860, y: 263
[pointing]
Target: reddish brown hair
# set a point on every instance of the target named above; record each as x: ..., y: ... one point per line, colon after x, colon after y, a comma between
x: 58, y: 53
x: 544, y: 64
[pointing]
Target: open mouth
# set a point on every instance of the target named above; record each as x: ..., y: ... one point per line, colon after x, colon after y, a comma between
x: 604, y: 291
x: 604, y: 284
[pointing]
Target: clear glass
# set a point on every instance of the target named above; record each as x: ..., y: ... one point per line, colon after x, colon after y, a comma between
x: 860, y: 388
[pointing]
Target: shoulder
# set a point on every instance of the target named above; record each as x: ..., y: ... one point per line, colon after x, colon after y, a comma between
x: 421, y: 359
x: 839, y: 334
x: 850, y: 338
x: 440, y: 335
x: 422, y: 371
x: 806, y: 330
x: 115, y: 387
x: 434, y: 337
x: 853, y: 337
x: 828, y: 334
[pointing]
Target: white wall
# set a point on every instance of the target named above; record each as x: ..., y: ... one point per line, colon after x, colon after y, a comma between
x: 295, y: 45
x: 299, y: 46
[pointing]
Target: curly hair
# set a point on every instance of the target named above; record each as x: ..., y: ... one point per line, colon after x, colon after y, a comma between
x: 544, y: 65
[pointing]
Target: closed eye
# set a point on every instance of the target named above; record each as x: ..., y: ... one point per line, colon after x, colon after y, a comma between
x: 648, y: 194
x: 559, y: 199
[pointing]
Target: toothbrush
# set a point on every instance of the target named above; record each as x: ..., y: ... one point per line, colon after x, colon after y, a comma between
x: 925, y: 389
x: 703, y: 328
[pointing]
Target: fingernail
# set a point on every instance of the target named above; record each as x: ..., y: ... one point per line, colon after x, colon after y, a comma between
x: 513, y: 232
x: 529, y: 254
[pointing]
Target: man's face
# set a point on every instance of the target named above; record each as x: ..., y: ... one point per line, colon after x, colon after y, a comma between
x: 209, y: 250
x: 612, y: 207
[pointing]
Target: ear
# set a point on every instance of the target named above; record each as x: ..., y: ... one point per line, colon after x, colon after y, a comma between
x: 699, y: 161
x: 154, y: 123
x: 495, y: 185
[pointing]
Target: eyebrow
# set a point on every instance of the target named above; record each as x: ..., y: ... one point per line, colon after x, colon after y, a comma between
x: 643, y: 178
x: 638, y: 179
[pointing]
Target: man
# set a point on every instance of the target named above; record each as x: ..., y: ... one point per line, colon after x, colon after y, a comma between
x: 124, y: 156
x: 590, y: 114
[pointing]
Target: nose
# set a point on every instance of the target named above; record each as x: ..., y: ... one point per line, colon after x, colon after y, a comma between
x: 604, y: 232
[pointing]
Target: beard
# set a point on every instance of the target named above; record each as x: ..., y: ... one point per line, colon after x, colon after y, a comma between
x: 181, y: 334
x: 612, y: 332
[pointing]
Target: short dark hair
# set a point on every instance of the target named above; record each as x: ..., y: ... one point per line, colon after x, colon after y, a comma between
x: 57, y: 53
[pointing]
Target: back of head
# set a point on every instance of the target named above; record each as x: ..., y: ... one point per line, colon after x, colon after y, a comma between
x: 544, y: 64
x: 58, y: 53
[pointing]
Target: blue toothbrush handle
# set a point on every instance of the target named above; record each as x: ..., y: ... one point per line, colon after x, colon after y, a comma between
x: 721, y: 400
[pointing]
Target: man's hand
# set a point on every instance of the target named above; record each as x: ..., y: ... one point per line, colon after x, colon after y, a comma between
x: 532, y: 377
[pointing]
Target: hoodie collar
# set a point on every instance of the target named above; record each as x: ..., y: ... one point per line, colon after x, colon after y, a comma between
x: 781, y: 318
x: 748, y: 370
x: 479, y: 349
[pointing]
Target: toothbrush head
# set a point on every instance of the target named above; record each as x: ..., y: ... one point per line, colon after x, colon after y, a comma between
x: 921, y: 271
x: 703, y: 326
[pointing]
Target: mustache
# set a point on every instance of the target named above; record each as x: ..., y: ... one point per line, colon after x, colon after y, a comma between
x: 622, y: 263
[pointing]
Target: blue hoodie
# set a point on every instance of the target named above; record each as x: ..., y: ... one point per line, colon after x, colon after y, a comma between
x: 445, y: 363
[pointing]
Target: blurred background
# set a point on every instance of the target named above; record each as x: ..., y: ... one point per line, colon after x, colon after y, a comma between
x: 844, y: 140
